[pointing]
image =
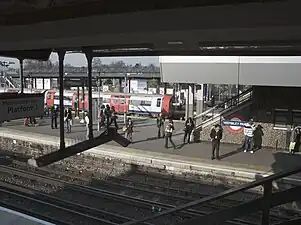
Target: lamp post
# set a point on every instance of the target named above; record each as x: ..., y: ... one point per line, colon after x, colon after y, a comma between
x: 125, y: 92
x: 98, y: 100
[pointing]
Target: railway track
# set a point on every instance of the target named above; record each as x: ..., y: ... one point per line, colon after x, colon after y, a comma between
x: 139, y: 198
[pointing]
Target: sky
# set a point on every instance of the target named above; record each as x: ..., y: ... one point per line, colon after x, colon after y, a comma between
x: 77, y: 59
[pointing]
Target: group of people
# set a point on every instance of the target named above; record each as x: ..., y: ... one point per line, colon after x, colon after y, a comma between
x: 166, y: 130
x: 252, y: 138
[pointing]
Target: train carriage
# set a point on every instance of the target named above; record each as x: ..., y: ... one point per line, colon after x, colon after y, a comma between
x: 142, y: 104
x: 145, y: 105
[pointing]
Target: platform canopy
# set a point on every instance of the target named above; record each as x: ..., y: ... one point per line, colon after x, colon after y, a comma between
x: 242, y: 70
x: 126, y: 28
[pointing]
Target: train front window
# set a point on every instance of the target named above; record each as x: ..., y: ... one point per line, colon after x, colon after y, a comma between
x: 158, y: 102
x: 146, y: 103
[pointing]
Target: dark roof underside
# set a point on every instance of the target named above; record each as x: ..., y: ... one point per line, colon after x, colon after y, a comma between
x: 17, y: 12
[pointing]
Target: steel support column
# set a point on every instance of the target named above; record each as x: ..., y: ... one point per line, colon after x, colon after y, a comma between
x: 21, y: 75
x: 267, y: 192
x: 89, y: 60
x: 61, y: 55
x: 129, y: 85
x: 83, y: 102
x: 77, y: 107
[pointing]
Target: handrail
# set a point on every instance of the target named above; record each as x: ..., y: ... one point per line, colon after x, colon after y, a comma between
x: 223, y: 103
x: 220, y: 195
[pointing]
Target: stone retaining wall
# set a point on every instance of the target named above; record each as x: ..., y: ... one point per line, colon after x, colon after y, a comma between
x: 276, y: 139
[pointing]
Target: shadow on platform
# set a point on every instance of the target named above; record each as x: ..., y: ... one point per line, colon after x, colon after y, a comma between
x: 107, y: 136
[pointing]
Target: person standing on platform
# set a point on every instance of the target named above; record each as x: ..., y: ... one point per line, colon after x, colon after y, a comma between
x: 107, y: 114
x: 69, y: 120
x: 101, y: 116
x: 168, y: 134
x: 160, y: 125
x: 54, y: 115
x: 258, y: 133
x: 129, y: 129
x: 189, y: 126
x: 249, y: 137
x: 297, y: 139
x: 87, y: 122
x: 216, y: 134
x: 65, y: 119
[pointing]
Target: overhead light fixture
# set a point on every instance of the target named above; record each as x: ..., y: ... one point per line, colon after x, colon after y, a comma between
x: 108, y: 50
x: 175, y: 43
x: 246, y: 46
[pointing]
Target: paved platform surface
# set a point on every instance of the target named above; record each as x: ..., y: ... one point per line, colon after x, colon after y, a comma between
x: 10, y: 217
x: 145, y: 139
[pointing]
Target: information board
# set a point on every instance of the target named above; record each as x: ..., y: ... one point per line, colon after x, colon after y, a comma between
x: 22, y: 107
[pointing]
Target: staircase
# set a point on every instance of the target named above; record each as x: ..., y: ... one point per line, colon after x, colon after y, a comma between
x: 218, y: 112
x: 11, y: 82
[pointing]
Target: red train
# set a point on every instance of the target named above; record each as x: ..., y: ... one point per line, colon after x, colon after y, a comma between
x: 144, y: 104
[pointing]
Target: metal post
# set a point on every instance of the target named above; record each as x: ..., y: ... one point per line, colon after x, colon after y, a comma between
x: 21, y: 76
x: 61, y: 55
x: 125, y: 92
x: 129, y: 85
x: 187, y: 102
x: 267, y: 192
x: 98, y: 101
x: 89, y: 60
x: 83, y: 102
x: 77, y: 107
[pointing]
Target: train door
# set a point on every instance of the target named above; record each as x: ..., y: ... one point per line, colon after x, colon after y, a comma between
x: 115, y: 103
x: 124, y: 103
x: 50, y: 98
x: 167, y: 105
x: 74, y: 99
x: 80, y: 102
x: 86, y: 102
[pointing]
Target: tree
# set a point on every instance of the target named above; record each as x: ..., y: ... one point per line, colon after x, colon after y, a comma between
x: 108, y: 82
x: 97, y: 64
x: 153, y: 83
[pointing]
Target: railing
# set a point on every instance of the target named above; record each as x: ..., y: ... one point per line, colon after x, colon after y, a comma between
x: 263, y: 204
x: 222, y: 108
x: 11, y: 82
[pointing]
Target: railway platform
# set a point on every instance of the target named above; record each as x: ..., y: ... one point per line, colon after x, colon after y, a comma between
x: 147, y: 149
x: 11, y: 217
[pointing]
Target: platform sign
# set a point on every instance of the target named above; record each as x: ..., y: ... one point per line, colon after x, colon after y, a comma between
x: 235, y: 124
x: 21, y: 106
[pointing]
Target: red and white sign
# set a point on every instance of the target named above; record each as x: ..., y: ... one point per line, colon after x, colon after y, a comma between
x: 236, y: 129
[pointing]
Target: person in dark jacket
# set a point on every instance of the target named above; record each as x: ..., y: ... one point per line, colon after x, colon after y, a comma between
x: 160, y: 125
x: 54, y: 115
x: 216, y: 135
x: 189, y: 126
x: 129, y: 129
x: 108, y: 115
x: 258, y: 133
x: 69, y: 120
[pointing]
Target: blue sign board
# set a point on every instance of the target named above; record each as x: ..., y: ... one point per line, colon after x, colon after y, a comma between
x: 234, y: 123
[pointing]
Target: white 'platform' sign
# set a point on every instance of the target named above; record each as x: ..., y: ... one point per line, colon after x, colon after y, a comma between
x: 18, y: 108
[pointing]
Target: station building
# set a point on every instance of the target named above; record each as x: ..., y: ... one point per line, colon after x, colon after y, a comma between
x: 273, y: 99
